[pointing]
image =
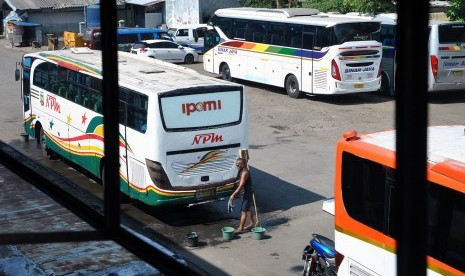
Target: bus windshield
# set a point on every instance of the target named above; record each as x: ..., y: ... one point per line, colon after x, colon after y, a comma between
x: 360, y: 31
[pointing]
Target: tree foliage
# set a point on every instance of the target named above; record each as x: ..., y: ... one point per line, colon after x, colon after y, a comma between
x: 456, y: 12
x: 271, y: 3
x: 342, y: 6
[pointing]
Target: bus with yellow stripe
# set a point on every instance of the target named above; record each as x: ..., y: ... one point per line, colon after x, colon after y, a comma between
x: 300, y: 49
x: 179, y: 132
x: 366, y: 193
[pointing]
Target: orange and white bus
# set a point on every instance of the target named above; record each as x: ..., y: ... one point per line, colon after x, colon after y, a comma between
x: 365, y: 190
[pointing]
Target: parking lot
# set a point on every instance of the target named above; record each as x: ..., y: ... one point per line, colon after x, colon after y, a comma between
x: 292, y: 146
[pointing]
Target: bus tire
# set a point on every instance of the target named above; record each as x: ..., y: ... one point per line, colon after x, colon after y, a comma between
x: 102, y: 175
x: 292, y: 87
x: 226, y: 72
x: 41, y: 142
x: 189, y: 59
x: 385, y: 89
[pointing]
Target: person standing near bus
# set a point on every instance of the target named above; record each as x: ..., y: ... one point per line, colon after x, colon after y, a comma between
x: 246, y: 190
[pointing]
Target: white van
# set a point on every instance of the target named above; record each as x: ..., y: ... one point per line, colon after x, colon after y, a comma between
x: 447, y: 56
x: 191, y: 35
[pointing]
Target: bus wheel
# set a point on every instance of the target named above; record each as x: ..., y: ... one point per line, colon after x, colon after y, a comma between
x: 102, y: 175
x: 42, y: 144
x: 292, y: 87
x: 385, y: 88
x: 189, y: 59
x: 226, y: 72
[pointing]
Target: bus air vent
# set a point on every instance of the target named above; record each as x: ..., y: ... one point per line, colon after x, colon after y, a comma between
x: 151, y: 71
x: 81, y: 50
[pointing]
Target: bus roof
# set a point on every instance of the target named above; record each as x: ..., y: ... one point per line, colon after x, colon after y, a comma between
x: 136, y: 72
x: 445, y: 143
x: 290, y: 15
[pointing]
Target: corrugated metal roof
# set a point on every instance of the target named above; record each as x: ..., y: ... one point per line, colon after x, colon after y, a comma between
x: 54, y: 4
x: 144, y: 2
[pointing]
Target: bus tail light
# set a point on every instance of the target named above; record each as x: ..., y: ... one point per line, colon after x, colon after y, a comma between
x: 339, y: 259
x: 143, y: 50
x: 335, y: 70
x: 158, y: 175
x: 379, y: 72
x: 434, y: 66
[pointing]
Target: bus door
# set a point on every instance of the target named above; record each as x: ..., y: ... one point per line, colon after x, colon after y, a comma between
x: 123, y: 143
x: 26, y: 92
x: 308, y: 36
x: 211, y: 39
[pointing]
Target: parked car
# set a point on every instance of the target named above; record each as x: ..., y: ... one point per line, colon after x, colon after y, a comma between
x: 191, y: 35
x: 165, y: 50
x: 125, y: 37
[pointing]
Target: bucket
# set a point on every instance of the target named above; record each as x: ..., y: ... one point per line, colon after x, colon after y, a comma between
x: 258, y: 233
x: 24, y: 137
x: 192, y: 239
x: 228, y: 233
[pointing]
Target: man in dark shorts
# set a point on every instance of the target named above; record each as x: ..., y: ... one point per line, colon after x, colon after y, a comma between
x: 246, y: 190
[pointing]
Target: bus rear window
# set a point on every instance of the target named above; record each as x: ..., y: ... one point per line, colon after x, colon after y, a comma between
x: 359, y: 31
x: 452, y: 33
x: 197, y: 111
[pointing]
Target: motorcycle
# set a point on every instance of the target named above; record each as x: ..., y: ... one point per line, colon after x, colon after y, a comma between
x: 320, y: 257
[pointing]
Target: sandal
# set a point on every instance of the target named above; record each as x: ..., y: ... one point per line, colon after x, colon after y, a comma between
x: 248, y: 228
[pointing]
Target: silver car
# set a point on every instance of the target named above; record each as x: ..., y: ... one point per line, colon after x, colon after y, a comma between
x: 165, y: 50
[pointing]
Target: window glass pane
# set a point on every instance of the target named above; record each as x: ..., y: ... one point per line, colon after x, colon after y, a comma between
x: 239, y: 28
x: 452, y: 33
x: 257, y: 31
x: 276, y: 32
x: 321, y: 38
x: 146, y: 36
x: 363, y: 191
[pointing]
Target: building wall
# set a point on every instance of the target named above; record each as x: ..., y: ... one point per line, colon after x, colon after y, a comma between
x: 56, y: 22
x: 194, y: 11
x: 208, y: 7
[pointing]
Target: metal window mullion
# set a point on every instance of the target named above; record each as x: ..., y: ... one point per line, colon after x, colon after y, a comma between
x: 411, y: 125
x: 110, y: 116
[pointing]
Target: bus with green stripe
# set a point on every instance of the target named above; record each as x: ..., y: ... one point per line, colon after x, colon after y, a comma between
x: 301, y: 50
x: 446, y: 53
x: 180, y: 133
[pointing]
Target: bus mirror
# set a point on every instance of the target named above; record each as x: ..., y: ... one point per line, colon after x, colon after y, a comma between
x: 17, y: 74
x: 328, y: 206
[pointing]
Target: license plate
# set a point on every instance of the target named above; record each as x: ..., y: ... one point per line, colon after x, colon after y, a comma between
x: 358, y: 85
x: 456, y: 73
x: 205, y: 193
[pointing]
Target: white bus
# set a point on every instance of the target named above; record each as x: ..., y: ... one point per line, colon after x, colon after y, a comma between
x: 180, y: 132
x: 446, y: 48
x: 365, y: 193
x: 298, y: 49
x: 447, y: 56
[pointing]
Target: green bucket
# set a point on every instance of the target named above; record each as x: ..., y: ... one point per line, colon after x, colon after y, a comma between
x: 228, y: 233
x: 258, y: 233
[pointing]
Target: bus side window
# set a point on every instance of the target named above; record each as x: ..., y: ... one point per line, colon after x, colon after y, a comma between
x: 85, y: 97
x: 275, y: 39
x: 78, y: 97
x: 321, y: 38
x: 71, y: 92
x: 240, y: 28
x: 98, y: 104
